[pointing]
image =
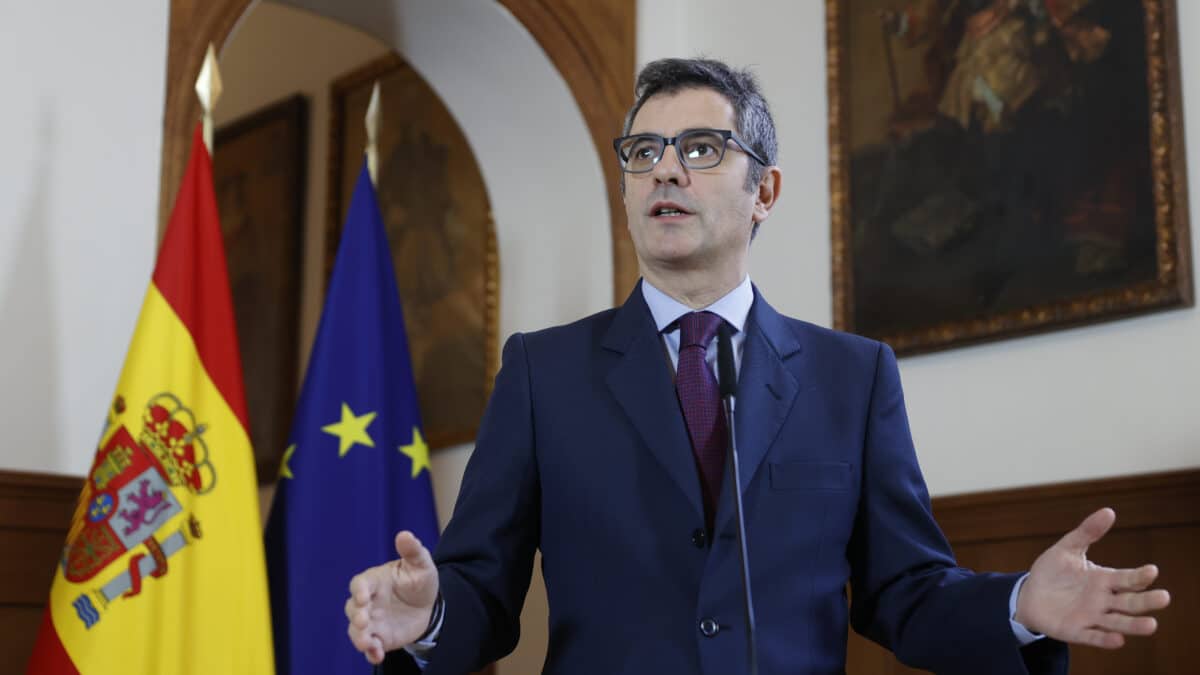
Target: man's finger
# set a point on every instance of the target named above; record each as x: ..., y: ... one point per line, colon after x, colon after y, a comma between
x: 1135, y: 579
x: 1089, y: 531
x: 361, y: 618
x: 1100, y: 638
x: 359, y: 638
x: 1129, y: 625
x: 375, y: 651
x: 1140, y: 603
x: 412, y: 551
x: 362, y: 587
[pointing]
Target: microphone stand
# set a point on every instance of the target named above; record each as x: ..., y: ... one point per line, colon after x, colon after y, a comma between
x: 727, y: 383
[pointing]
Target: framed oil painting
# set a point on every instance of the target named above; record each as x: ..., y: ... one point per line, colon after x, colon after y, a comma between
x: 259, y: 172
x: 438, y: 219
x: 1000, y: 167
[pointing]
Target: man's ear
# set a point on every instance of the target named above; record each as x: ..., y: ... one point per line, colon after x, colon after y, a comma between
x: 767, y: 194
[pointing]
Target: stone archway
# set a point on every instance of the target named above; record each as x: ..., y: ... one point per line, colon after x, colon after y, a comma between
x: 597, y: 65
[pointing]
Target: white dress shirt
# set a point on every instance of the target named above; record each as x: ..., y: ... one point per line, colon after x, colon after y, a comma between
x: 733, y: 307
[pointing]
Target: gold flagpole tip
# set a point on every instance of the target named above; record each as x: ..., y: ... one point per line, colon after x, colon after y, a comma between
x: 372, y: 122
x: 208, y: 89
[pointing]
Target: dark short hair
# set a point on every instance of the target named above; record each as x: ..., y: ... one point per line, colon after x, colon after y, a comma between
x: 738, y: 86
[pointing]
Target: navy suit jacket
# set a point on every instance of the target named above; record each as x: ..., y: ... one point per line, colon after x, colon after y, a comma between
x: 583, y: 454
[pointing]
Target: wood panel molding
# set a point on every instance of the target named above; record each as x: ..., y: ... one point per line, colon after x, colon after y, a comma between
x: 37, y: 501
x: 1158, y: 520
x: 35, y: 510
x: 591, y: 43
x: 1158, y: 500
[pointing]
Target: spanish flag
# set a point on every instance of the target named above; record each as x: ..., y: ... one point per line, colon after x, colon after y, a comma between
x: 163, y: 571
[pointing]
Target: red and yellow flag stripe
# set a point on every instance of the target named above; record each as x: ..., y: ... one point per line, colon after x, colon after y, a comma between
x: 163, y: 570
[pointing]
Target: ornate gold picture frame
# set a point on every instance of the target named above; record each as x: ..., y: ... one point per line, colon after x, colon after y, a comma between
x: 1000, y: 168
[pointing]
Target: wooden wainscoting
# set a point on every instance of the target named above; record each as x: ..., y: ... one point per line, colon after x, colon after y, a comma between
x: 1158, y: 520
x: 35, y: 510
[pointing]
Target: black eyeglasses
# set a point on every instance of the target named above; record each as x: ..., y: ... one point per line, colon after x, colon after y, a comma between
x: 696, y: 148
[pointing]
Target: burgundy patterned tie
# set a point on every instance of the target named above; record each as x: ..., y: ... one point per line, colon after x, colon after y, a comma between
x: 697, y: 389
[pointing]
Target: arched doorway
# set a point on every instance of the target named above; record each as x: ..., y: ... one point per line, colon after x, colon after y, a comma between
x: 597, y: 65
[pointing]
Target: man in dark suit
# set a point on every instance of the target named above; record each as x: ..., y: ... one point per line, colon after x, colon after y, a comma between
x: 603, y: 446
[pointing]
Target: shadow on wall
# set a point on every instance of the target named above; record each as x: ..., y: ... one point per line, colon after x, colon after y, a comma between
x: 29, y: 359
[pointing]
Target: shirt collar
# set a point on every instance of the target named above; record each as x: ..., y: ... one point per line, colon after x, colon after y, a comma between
x: 734, y: 306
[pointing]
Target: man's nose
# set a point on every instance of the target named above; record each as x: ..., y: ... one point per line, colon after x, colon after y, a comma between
x: 669, y: 169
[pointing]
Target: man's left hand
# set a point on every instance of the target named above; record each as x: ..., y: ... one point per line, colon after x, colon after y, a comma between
x: 1072, y: 599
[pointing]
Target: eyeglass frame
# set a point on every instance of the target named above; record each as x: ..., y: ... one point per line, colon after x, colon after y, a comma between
x: 726, y: 134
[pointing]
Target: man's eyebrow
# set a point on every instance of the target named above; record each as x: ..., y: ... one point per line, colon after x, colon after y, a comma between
x: 665, y: 135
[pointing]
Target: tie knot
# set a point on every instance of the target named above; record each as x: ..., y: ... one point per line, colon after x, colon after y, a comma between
x: 698, y: 329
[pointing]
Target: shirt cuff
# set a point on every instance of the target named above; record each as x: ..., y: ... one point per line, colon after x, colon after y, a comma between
x: 420, y: 649
x: 1023, y: 635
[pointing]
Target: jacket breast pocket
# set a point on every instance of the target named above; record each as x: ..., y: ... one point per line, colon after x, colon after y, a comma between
x: 811, y: 476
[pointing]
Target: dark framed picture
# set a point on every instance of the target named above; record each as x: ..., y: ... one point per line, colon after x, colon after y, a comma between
x: 259, y: 172
x: 438, y: 219
x: 1000, y: 167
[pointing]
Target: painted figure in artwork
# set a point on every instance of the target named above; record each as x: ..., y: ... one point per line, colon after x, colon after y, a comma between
x: 993, y: 168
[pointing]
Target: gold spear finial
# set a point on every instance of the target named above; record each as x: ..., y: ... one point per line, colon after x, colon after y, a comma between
x: 208, y: 88
x: 372, y: 122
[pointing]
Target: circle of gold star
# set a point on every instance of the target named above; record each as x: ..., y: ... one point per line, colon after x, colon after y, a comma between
x: 350, y: 430
x: 418, y: 451
x: 285, y: 471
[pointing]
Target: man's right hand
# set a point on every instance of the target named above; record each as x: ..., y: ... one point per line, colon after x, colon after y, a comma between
x: 390, y: 605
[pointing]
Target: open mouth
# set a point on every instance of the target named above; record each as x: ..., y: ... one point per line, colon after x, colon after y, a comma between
x: 667, y: 210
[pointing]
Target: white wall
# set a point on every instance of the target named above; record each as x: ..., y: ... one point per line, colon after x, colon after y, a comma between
x: 1106, y: 400
x: 81, y: 131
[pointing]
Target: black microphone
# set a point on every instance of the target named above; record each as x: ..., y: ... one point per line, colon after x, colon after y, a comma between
x: 726, y: 374
x: 727, y: 382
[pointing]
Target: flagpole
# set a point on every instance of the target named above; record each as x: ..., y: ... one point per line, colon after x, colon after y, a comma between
x: 208, y: 89
x: 372, y: 123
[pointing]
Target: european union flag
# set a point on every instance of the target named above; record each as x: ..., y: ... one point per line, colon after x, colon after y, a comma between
x: 356, y: 469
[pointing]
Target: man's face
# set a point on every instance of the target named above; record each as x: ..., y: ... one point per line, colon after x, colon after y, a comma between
x: 710, y: 226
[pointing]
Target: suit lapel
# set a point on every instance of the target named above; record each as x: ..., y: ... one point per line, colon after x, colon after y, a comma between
x: 766, y: 391
x: 641, y: 383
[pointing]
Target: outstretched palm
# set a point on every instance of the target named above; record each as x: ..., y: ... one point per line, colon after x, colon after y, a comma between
x: 1072, y: 599
x: 390, y: 605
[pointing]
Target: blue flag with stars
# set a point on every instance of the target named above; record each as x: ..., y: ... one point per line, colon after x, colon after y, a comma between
x: 356, y: 469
